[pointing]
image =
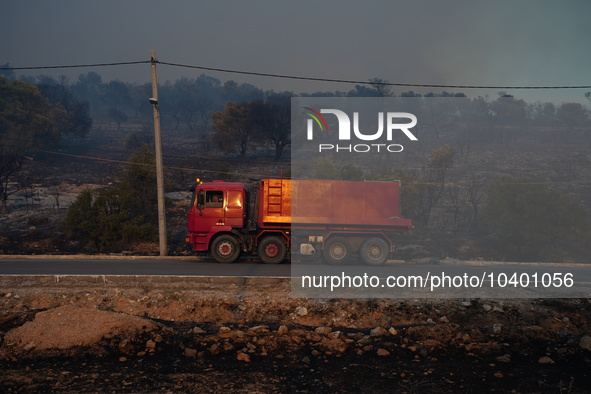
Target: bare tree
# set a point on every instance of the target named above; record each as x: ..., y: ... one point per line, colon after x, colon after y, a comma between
x: 10, y: 165
x: 434, y: 180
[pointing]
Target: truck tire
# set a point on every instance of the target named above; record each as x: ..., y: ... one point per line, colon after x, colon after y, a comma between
x: 374, y: 251
x: 225, y: 249
x: 337, y: 250
x: 272, y: 250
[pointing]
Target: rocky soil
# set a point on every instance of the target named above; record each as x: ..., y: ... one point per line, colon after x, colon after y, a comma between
x: 202, y: 338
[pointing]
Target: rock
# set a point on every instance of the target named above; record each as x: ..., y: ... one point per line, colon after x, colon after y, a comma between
x: 122, y: 359
x: 585, y: 343
x: 301, y: 311
x: 393, y: 331
x: 198, y: 331
x: 545, y: 360
x: 29, y: 346
x: 316, y: 338
x: 366, y: 340
x: 282, y: 330
x: 224, y: 330
x: 125, y: 346
x: 323, y: 330
x: 190, y: 353
x: 243, y: 357
x: 497, y: 328
x: 150, y: 346
x: 382, y: 352
x: 444, y: 319
x: 214, y: 349
x: 335, y: 335
x: 378, y: 332
x: 335, y: 345
x: 256, y: 330
x: 486, y: 307
x: 506, y: 358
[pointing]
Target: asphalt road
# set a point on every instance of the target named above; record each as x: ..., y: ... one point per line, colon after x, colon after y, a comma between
x: 50, y: 266
x: 469, y: 280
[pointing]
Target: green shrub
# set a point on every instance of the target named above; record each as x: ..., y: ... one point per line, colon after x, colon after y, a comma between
x: 120, y: 215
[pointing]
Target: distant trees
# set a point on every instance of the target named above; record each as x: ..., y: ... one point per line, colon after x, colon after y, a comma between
x: 272, y: 121
x: 531, y: 221
x: 240, y: 126
x: 29, y: 120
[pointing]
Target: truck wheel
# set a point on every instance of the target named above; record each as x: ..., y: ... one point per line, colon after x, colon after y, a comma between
x: 225, y: 249
x: 336, y: 250
x: 374, y: 251
x: 272, y: 250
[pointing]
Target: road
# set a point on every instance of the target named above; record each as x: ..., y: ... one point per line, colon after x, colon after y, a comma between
x: 468, y: 281
x: 163, y: 266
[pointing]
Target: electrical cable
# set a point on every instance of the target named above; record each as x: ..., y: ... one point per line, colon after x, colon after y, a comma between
x: 283, y: 76
x: 73, y: 66
x: 416, y: 85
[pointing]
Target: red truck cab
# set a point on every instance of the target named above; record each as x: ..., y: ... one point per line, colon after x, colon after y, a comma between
x: 216, y: 207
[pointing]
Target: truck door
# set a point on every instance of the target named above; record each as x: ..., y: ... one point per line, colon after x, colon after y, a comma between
x: 209, y: 210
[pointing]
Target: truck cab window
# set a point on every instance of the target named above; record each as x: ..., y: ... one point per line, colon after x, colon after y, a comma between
x: 214, y: 199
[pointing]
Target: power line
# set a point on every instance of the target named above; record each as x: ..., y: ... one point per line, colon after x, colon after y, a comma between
x: 415, y: 85
x: 73, y: 66
x: 303, y: 78
x: 193, y: 170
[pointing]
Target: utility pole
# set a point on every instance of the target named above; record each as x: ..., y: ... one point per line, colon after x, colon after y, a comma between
x: 159, y: 172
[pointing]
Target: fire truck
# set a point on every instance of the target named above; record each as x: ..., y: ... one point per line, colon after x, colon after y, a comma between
x: 343, y: 221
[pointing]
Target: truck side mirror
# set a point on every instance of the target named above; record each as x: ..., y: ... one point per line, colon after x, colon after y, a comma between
x: 200, y: 201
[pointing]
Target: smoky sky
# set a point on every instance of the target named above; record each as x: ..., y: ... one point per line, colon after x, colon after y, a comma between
x: 501, y: 43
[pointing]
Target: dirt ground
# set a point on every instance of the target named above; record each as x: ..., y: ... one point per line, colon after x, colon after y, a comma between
x: 144, y: 337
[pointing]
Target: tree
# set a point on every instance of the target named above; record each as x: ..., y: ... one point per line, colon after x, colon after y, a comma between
x: 572, y: 114
x: 87, y: 89
x: 118, y: 117
x: 76, y: 119
x: 271, y: 121
x: 116, y: 94
x: 531, y: 221
x: 232, y: 129
x: 381, y: 86
x: 27, y: 120
x: 434, y: 180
